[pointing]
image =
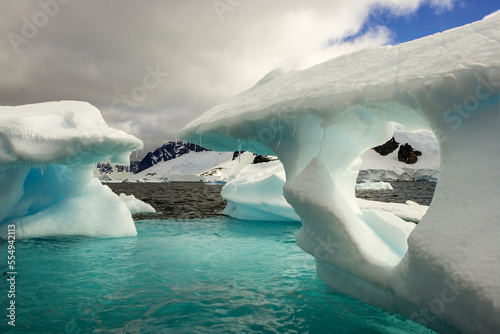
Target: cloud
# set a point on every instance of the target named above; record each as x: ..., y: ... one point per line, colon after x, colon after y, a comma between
x: 104, y: 52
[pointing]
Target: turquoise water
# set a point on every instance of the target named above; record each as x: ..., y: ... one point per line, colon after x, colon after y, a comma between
x: 215, y: 275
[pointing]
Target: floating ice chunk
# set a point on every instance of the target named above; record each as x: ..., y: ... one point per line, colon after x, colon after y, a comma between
x: 380, y: 185
x: 256, y: 193
x: 411, y: 211
x: 96, y: 213
x: 47, y: 156
x: 136, y: 205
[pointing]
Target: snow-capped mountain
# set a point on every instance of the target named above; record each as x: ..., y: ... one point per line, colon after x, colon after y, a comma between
x: 168, y: 151
x: 186, y: 167
x: 108, y: 172
x: 181, y: 161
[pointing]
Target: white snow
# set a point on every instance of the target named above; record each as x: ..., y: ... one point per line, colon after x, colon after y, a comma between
x: 388, y: 168
x: 136, y: 205
x: 398, y: 174
x: 319, y: 122
x: 105, y: 178
x: 113, y: 176
x: 423, y: 141
x: 187, y: 167
x: 227, y: 169
x: 379, y: 185
x: 47, y: 156
x: 256, y: 193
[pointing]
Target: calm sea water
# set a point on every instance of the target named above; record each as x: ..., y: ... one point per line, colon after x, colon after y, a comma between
x: 182, y: 200
x: 209, y: 274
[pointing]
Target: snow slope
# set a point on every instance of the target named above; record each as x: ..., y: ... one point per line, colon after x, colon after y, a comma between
x: 47, y: 156
x: 319, y: 121
x: 187, y: 167
x: 224, y: 171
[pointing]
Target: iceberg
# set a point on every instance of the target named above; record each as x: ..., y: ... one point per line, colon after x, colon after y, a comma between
x: 443, y: 273
x: 255, y: 192
x: 380, y: 185
x: 48, y: 153
x: 136, y: 205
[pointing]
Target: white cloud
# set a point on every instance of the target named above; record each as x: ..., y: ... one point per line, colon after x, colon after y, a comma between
x: 98, y: 51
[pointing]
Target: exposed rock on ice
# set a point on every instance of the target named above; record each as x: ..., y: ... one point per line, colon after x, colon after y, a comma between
x: 319, y: 122
x: 48, y: 153
x: 387, y: 148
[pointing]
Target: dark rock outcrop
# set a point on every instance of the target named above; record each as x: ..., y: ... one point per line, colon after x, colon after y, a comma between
x: 387, y: 148
x: 263, y: 158
x: 237, y: 154
x: 168, y: 151
x: 408, y: 154
x: 106, y: 167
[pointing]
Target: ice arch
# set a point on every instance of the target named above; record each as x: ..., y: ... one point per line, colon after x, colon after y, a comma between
x: 318, y: 121
x: 47, y: 185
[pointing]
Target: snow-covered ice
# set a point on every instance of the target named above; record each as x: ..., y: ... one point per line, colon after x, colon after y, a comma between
x: 224, y: 171
x: 47, y: 156
x: 379, y: 185
x: 136, y: 205
x: 319, y: 122
x: 187, y: 167
x: 256, y: 193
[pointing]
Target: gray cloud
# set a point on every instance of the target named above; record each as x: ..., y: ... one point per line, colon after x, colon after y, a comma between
x: 104, y: 52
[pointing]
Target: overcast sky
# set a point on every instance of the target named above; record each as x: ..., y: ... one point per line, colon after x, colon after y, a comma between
x: 152, y: 66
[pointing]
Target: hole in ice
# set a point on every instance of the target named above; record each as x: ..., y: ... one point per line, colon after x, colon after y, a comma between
x: 396, y: 184
x: 404, y: 168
